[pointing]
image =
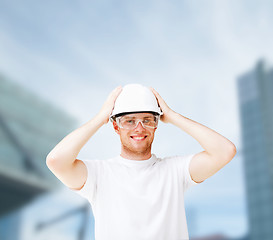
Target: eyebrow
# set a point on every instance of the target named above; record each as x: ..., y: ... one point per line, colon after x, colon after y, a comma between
x: 133, y: 117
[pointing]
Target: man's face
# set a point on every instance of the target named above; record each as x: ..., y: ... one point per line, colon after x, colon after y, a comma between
x: 136, y: 139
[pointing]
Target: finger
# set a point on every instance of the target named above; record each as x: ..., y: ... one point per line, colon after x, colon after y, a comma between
x: 117, y: 91
x: 114, y: 94
x: 155, y: 93
x: 158, y: 97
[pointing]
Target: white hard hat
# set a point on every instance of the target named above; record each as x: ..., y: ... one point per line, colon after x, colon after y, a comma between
x: 135, y: 98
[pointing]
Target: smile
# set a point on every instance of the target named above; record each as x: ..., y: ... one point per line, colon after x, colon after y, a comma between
x: 138, y: 138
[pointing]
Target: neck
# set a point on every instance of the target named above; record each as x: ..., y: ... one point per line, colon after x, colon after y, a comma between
x: 136, y: 155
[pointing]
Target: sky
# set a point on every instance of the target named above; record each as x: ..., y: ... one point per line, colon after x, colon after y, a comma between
x: 73, y: 53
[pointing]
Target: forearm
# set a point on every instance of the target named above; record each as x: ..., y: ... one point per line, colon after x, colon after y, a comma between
x: 67, y: 150
x: 212, y: 142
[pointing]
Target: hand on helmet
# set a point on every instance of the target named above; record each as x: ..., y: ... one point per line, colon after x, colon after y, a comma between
x: 108, y: 105
x: 167, y: 111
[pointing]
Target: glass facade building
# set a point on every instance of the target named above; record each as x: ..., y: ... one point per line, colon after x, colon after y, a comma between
x: 255, y: 92
x: 29, y: 128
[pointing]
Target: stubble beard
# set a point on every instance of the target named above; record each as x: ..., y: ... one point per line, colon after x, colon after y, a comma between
x: 130, y: 150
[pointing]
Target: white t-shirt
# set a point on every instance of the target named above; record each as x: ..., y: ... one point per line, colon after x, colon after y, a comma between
x: 138, y: 200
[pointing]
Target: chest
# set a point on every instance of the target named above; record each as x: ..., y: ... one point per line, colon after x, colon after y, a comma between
x: 145, y: 186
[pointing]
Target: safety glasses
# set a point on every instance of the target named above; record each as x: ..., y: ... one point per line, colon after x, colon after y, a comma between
x: 130, y: 121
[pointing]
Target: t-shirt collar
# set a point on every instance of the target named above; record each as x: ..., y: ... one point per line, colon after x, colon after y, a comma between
x: 131, y: 162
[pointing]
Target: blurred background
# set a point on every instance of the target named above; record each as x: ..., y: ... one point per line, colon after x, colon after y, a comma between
x: 210, y: 60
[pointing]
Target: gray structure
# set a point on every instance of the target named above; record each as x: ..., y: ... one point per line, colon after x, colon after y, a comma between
x: 29, y: 129
x: 255, y: 90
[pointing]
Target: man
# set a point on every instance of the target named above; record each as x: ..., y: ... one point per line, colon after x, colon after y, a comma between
x: 138, y: 196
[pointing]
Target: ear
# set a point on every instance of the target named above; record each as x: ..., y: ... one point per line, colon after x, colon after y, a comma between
x: 116, y: 127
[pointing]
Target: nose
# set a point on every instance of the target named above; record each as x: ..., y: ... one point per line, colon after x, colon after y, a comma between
x: 139, y: 126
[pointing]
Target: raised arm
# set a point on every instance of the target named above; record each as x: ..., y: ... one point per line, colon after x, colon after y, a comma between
x: 218, y: 150
x: 62, y: 160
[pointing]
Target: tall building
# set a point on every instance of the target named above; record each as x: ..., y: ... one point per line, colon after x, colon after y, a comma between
x: 29, y: 128
x: 255, y: 90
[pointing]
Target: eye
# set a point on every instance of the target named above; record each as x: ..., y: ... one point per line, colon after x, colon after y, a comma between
x: 130, y: 121
x: 147, y: 120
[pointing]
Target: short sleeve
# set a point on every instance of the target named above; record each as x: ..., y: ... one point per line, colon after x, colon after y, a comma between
x: 183, y: 164
x: 188, y: 181
x: 89, y: 189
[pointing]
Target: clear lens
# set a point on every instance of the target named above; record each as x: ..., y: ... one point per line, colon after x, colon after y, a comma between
x: 128, y: 122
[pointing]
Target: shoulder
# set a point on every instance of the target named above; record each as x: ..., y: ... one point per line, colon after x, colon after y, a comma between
x: 93, y: 163
x: 176, y: 161
x: 98, y: 162
x: 178, y: 158
x: 89, y: 162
